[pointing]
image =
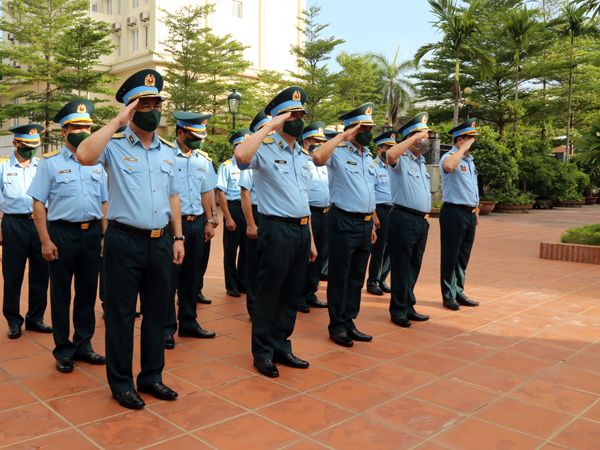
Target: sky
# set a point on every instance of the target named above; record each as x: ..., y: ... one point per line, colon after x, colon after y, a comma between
x: 377, y: 25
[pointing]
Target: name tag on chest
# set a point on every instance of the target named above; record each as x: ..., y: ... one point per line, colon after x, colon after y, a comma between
x: 64, y: 171
x: 12, y: 174
x: 130, y: 159
x: 280, y: 161
x: 352, y: 163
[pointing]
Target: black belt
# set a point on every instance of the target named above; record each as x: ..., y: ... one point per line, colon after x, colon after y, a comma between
x: 190, y: 218
x: 362, y: 216
x: 254, y: 207
x: 80, y: 225
x: 234, y: 202
x: 385, y: 206
x: 414, y: 212
x: 318, y: 209
x: 21, y: 216
x: 294, y: 220
x: 139, y: 231
x: 471, y: 209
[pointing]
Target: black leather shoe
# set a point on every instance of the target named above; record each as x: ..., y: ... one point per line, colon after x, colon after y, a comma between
x: 202, y: 299
x: 14, y: 332
x: 40, y: 327
x: 129, y: 399
x: 91, y: 358
x: 385, y: 288
x: 416, y: 317
x: 233, y: 293
x: 159, y: 390
x: 64, y: 365
x: 242, y: 290
x: 303, y: 308
x: 317, y: 304
x: 375, y: 290
x: 464, y: 301
x: 138, y: 314
x: 198, y: 333
x: 266, y: 367
x: 291, y: 361
x: 356, y: 335
x: 341, y: 339
x: 401, y: 321
x: 169, y: 341
x: 451, y: 304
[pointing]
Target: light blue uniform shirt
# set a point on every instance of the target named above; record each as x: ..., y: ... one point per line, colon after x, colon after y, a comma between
x: 383, y: 194
x: 460, y: 185
x: 228, y: 177
x: 194, y: 174
x: 141, y: 181
x: 247, y: 182
x: 318, y: 194
x: 282, y: 178
x: 74, y: 192
x: 410, y: 183
x: 352, y: 179
x: 14, y: 182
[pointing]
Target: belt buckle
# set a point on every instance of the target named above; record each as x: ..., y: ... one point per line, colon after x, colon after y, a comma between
x: 156, y: 233
x: 473, y: 211
x: 304, y: 221
x: 426, y: 216
x: 191, y: 218
x: 30, y: 216
x: 85, y: 226
x: 325, y: 210
x: 367, y: 218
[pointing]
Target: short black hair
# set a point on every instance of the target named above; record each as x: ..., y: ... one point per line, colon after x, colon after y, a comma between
x: 177, y: 128
x: 456, y: 139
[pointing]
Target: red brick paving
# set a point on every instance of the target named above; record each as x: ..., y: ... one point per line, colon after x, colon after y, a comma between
x: 522, y: 371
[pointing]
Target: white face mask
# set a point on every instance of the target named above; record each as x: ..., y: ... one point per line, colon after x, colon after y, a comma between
x: 423, y: 146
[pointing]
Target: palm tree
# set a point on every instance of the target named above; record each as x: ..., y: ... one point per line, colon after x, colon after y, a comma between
x: 589, y: 6
x: 521, y: 25
x: 573, y: 24
x: 397, y: 91
x: 458, y: 27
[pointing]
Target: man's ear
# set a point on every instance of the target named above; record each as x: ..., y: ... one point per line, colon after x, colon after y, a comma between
x: 64, y: 131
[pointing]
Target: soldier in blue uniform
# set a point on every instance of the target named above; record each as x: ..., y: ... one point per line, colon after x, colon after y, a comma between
x: 379, y: 267
x: 197, y: 224
x: 19, y: 237
x: 407, y: 222
x: 138, y: 247
x: 72, y: 238
x: 285, y: 246
x: 318, y: 199
x: 230, y: 200
x: 459, y: 215
x: 350, y: 223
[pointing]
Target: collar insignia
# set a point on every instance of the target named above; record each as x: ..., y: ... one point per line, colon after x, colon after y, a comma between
x: 131, y: 139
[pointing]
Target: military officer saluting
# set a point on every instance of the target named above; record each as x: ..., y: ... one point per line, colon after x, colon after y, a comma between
x: 230, y: 200
x: 407, y: 221
x: 379, y: 267
x: 282, y: 179
x: 197, y: 224
x: 72, y: 238
x: 18, y: 235
x: 329, y: 135
x: 252, y: 217
x: 350, y: 222
x: 459, y: 215
x: 318, y: 199
x: 138, y: 248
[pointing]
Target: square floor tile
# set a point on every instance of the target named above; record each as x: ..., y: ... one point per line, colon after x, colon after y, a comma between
x: 573, y: 378
x: 486, y: 341
x: 253, y: 392
x: 60, y: 384
x: 515, y: 364
x: 580, y: 435
x: 459, y: 350
x: 32, y: 366
x: 343, y: 362
x: 353, y: 395
x: 488, y: 379
x: 209, y: 374
x: 186, y: 442
x: 593, y: 413
x: 539, y: 351
x: 423, y: 361
x: 20, y: 348
x: 28, y: 422
x: 554, y: 396
x: 219, y: 347
x: 12, y: 395
x: 394, y: 377
x: 454, y: 396
x: 306, y: 379
x: 182, y: 356
x: 56, y: 441
x: 76, y: 408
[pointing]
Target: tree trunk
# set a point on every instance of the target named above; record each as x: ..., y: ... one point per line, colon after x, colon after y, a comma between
x: 456, y: 93
x: 516, y: 90
x: 568, y: 147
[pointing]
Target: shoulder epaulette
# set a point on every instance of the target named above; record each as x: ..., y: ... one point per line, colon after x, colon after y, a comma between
x: 35, y: 158
x: 164, y: 141
x: 342, y: 144
x: 48, y: 155
x: 206, y: 155
x: 4, y: 159
x: 305, y: 152
x: 118, y: 136
x: 268, y: 140
x: 226, y: 162
x: 452, y: 153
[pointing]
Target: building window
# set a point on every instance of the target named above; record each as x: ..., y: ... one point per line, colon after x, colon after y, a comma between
x: 108, y: 7
x: 136, y: 3
x: 15, y: 121
x: 135, y: 38
x: 146, y: 37
x: 236, y: 9
x: 94, y: 7
x: 119, y: 6
x: 119, y: 45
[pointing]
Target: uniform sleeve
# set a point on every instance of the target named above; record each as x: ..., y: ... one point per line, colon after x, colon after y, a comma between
x: 211, y: 180
x: 246, y: 180
x: 1, y: 183
x: 175, y: 187
x: 398, y: 168
x: 334, y: 159
x: 257, y: 160
x: 104, y: 157
x: 104, y: 187
x: 222, y: 176
x: 40, y: 185
x: 442, y: 163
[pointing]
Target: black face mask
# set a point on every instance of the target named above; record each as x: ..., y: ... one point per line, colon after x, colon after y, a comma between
x: 77, y: 138
x: 294, y: 127
x: 364, y: 139
x: 147, y: 121
x: 194, y: 144
x: 383, y: 156
x: 26, y: 152
x: 313, y: 146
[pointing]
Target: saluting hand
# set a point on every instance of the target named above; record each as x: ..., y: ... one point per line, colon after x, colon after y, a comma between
x: 350, y: 133
x: 126, y: 114
x: 178, y: 252
x: 49, y: 251
x: 277, y: 122
x: 467, y: 144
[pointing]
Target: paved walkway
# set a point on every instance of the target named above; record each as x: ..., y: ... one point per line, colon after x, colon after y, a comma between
x: 520, y: 372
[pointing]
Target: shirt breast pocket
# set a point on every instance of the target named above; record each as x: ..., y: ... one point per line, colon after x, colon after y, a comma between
x: 166, y: 170
x: 284, y: 173
x: 96, y: 183
x: 132, y: 173
x: 413, y: 175
x: 11, y: 188
x: 67, y: 185
x: 199, y: 178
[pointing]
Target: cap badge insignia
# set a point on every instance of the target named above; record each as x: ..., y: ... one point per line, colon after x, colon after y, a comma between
x: 150, y: 81
x: 320, y: 130
x: 296, y: 97
x: 424, y: 119
x: 33, y: 131
x: 246, y: 136
x: 81, y: 109
x: 473, y: 125
x: 369, y: 111
x: 393, y: 136
x: 204, y: 122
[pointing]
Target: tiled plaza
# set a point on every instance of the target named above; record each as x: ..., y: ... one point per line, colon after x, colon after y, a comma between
x: 520, y: 372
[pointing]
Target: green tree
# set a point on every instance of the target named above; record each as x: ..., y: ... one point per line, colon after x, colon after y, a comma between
x: 592, y: 6
x: 458, y: 27
x: 314, y: 77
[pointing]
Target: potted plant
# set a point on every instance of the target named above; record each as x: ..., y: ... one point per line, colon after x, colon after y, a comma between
x: 513, y: 201
x: 435, y: 208
x: 486, y: 203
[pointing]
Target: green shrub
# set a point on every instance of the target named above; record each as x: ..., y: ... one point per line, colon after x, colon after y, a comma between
x: 586, y: 235
x: 514, y: 197
x: 437, y: 204
x: 494, y: 162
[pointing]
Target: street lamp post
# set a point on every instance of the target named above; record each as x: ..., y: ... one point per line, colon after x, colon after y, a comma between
x: 233, y: 101
x: 470, y: 104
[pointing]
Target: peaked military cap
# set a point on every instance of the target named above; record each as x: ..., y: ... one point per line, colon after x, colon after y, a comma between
x: 28, y: 135
x: 239, y: 136
x: 363, y: 115
x: 387, y: 138
x: 259, y: 121
x: 330, y: 134
x: 469, y: 127
x: 76, y: 112
x: 417, y: 123
x: 145, y: 83
x: 290, y: 99
x: 314, y: 130
x: 195, y: 123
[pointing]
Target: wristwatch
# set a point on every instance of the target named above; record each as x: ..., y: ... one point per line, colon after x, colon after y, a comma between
x: 211, y: 221
x: 215, y: 214
x: 179, y: 238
